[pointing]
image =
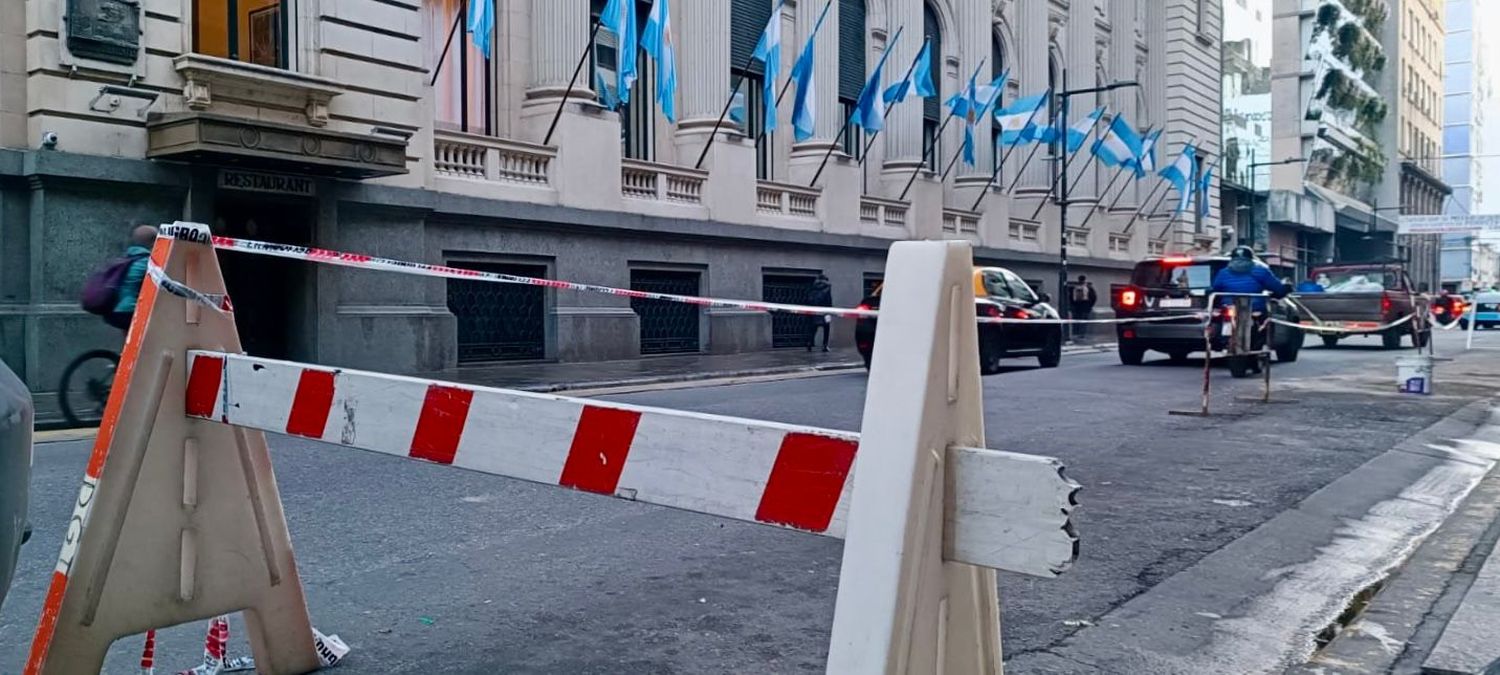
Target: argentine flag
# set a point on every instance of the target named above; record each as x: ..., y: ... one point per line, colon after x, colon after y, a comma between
x: 657, y: 40
x: 1120, y: 145
x: 1181, y: 175
x: 619, y: 18
x: 1079, y: 132
x: 768, y: 51
x: 869, y: 112
x: 1016, y: 119
x: 1145, y: 161
x: 919, y: 80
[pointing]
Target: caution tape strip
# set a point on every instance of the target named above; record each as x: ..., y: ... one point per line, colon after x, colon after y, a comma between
x: 1345, y: 328
x: 217, y: 302
x: 368, y: 262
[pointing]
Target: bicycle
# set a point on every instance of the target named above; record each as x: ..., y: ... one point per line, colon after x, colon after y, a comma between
x: 84, y: 389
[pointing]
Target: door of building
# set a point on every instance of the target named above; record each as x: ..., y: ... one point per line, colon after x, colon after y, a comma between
x: 666, y: 327
x: 273, y: 297
x: 788, y: 330
x: 499, y: 322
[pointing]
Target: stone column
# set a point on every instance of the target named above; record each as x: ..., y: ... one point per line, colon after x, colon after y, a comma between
x: 1083, y: 72
x: 1122, y: 54
x: 559, y: 33
x: 1155, y: 88
x: 975, y: 33
x: 1032, y: 33
x: 702, y: 74
x: 903, y: 129
x: 807, y: 154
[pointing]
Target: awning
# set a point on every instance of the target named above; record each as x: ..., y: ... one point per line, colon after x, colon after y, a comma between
x: 1351, y: 214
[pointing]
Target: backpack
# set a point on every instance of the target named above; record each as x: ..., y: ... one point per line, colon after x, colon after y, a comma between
x: 1080, y: 293
x: 101, y: 290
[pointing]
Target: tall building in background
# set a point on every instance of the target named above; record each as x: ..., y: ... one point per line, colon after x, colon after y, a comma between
x: 1420, y: 125
x: 1246, y: 94
x: 1465, y: 92
x: 1355, y: 110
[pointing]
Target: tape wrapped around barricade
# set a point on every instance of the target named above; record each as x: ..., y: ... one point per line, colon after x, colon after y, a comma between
x: 215, y: 301
x: 216, y: 659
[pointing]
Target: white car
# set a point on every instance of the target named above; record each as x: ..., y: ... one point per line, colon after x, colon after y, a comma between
x: 1485, y: 312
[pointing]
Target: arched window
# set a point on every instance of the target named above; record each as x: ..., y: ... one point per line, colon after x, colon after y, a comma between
x: 637, y: 118
x: 851, y: 69
x: 932, y: 106
x: 747, y: 19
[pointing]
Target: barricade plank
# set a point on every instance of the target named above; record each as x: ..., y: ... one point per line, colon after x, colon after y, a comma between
x: 1011, y: 511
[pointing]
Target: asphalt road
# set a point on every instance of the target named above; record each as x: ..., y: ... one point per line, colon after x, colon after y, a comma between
x: 422, y: 568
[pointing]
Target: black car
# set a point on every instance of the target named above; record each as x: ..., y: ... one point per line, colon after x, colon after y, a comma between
x: 998, y: 292
x: 1179, y: 286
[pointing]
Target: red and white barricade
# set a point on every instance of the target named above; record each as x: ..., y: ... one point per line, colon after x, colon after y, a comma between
x: 928, y: 516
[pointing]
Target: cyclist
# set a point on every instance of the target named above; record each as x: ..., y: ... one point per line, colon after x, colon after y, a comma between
x: 139, y: 253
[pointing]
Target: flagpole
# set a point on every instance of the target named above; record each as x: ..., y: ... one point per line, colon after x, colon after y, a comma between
x: 1029, y: 156
x: 463, y: 5
x: 1111, y: 185
x: 582, y: 58
x: 927, y: 153
x: 714, y: 133
x: 1118, y: 195
x: 1144, y: 202
x: 1087, y: 163
x: 960, y: 152
x: 788, y: 83
x: 845, y: 128
x: 1001, y: 163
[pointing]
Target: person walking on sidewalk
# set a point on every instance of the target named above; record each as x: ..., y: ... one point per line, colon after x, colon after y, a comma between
x: 820, y: 295
x: 1083, y: 299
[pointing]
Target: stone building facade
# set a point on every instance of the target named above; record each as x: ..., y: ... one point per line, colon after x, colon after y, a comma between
x: 371, y: 126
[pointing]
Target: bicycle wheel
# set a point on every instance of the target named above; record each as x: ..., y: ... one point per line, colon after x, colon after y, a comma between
x: 85, y: 387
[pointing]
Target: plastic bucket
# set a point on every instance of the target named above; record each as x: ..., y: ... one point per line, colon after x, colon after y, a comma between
x: 1414, y: 374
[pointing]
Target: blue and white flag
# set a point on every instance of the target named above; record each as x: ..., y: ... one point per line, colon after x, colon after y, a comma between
x: 1120, y: 146
x: 480, y: 25
x: 804, y: 104
x: 969, y: 106
x: 989, y: 94
x: 918, y: 80
x: 1204, y: 183
x: 1017, y: 119
x: 1145, y: 160
x: 737, y: 112
x: 768, y: 51
x: 658, y: 41
x: 1079, y: 132
x: 869, y: 112
x: 606, y: 91
x: 1181, y: 174
x: 618, y: 17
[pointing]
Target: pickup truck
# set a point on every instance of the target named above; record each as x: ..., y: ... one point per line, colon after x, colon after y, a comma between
x: 1362, y: 297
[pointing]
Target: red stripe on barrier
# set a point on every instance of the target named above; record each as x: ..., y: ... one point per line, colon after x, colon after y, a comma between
x: 203, y: 386
x: 47, y: 625
x: 600, y: 445
x: 441, y: 424
x: 806, y: 481
x: 311, y: 404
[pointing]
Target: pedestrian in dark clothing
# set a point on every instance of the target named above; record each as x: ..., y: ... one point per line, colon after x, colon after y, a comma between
x: 1083, y: 299
x: 139, y: 252
x: 820, y: 295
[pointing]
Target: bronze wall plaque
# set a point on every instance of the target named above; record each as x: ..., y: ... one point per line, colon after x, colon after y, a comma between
x: 105, y: 30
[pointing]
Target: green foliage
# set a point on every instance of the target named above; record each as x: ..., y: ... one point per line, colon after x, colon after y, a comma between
x: 1342, y: 92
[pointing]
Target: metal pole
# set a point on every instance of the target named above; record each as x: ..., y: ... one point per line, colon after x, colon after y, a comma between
x: 1001, y: 163
x: 582, y: 58
x: 1065, y: 304
x: 1088, y: 216
x: 871, y: 142
x: 925, y: 155
x: 449, y: 43
x: 1142, y: 207
x: 713, y: 134
x: 780, y: 95
x: 1087, y: 163
x: 836, y: 139
x: 1022, y: 170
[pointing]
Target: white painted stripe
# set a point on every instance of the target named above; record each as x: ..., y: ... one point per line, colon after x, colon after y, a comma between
x: 519, y: 436
x: 377, y: 414
x: 703, y: 464
x: 267, y: 395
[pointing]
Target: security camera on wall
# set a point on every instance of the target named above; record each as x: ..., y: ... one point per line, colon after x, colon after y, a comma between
x: 49, y: 140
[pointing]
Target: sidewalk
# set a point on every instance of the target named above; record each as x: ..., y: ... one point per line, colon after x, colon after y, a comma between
x: 553, y: 377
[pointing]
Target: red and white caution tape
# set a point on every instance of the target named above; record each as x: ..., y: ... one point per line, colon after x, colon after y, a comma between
x: 216, y: 659
x: 214, y: 301
x: 1345, y: 326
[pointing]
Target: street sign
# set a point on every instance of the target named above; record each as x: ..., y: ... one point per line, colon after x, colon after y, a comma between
x: 1449, y: 224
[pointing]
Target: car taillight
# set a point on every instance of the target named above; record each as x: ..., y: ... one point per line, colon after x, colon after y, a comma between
x: 1385, y: 303
x: 1438, y: 309
x: 1014, y: 313
x: 1459, y: 307
x: 991, y: 310
x: 1129, y: 298
x: 864, y: 307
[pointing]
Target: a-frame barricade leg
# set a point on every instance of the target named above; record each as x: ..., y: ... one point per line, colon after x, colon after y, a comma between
x: 903, y: 609
x: 178, y: 519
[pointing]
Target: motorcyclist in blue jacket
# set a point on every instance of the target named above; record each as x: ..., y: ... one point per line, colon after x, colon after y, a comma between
x: 1245, y: 274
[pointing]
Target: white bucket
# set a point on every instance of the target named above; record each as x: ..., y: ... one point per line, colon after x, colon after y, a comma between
x: 1414, y: 374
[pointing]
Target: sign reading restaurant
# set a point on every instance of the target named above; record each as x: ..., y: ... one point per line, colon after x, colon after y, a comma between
x: 254, y: 181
